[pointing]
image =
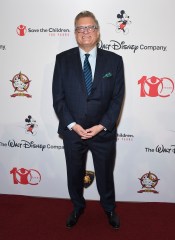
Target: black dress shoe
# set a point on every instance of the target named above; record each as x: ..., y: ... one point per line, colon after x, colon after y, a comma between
x: 73, y: 219
x: 114, y: 220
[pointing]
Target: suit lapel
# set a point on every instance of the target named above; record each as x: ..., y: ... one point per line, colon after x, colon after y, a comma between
x: 98, y: 69
x: 76, y: 62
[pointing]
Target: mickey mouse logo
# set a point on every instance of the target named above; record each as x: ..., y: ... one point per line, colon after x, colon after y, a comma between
x: 123, y: 20
x: 31, y: 126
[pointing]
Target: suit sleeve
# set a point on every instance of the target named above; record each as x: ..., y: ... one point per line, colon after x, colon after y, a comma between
x: 112, y: 114
x: 59, y: 103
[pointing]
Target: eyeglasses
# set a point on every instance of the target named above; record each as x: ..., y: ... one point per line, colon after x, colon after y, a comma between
x: 89, y: 29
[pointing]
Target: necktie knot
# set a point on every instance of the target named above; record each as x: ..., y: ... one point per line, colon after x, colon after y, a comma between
x: 87, y: 55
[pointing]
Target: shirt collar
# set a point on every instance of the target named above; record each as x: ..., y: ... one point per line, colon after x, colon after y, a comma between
x: 93, y: 52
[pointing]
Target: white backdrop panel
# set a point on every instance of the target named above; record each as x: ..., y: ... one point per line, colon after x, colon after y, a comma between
x: 145, y: 148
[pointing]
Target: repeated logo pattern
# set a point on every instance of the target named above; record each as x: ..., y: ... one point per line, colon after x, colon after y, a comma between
x: 156, y: 87
x: 151, y: 86
x: 25, y: 176
x: 20, y: 83
x: 148, y: 181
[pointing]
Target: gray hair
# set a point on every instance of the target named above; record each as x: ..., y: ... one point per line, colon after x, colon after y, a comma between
x: 86, y: 14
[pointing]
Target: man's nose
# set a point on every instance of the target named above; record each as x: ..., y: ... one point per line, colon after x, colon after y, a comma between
x: 86, y: 30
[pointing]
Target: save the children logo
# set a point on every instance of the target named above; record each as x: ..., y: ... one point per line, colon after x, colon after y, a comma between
x: 122, y: 22
x: 156, y: 86
x: 25, y: 176
x: 21, y: 30
x: 20, y: 83
x: 148, y: 181
x: 31, y: 126
x: 125, y: 137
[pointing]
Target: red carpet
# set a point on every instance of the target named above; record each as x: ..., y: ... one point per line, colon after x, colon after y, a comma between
x: 29, y: 218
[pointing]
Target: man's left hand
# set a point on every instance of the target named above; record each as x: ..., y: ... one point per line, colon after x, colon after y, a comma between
x: 91, y: 132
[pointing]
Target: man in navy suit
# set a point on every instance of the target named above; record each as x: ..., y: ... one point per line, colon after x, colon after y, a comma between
x: 87, y: 117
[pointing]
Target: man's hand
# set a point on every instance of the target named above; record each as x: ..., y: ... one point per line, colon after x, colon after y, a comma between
x: 91, y: 132
x: 87, y: 133
x: 80, y: 131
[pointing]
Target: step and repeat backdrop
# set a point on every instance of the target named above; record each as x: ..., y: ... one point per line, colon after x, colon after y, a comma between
x: 32, y: 158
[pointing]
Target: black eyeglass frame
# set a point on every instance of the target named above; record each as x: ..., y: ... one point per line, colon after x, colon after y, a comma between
x: 81, y: 29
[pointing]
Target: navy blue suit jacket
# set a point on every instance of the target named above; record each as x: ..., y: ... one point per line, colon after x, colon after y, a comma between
x: 70, y: 99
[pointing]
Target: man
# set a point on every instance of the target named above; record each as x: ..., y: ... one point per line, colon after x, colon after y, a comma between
x: 87, y: 100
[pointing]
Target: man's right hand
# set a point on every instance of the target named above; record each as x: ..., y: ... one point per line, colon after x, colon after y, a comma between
x: 80, y: 131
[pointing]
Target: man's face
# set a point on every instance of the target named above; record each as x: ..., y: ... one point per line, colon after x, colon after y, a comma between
x: 86, y: 38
